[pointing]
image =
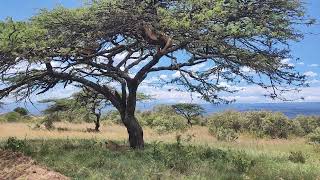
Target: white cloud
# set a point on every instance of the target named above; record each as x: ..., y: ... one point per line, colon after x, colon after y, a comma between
x: 287, y: 61
x: 163, y: 76
x: 314, y: 65
x: 197, y: 67
x: 176, y: 74
x: 246, y: 69
x: 168, y: 94
x: 300, y: 63
x: 314, y: 81
x: 310, y: 74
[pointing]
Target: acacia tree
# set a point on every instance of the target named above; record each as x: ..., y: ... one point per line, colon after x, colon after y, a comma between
x: 188, y: 111
x: 112, y: 46
x: 94, y: 103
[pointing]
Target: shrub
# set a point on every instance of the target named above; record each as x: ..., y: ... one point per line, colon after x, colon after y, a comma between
x: 22, y: 111
x: 163, y: 119
x: 163, y: 123
x: 2, y: 119
x: 228, y: 120
x: 256, y: 122
x: 308, y: 123
x: 242, y: 162
x: 113, y: 116
x: 12, y: 117
x: 297, y: 157
x: 16, y: 145
x: 277, y: 125
x: 48, y: 121
x: 315, y: 136
x: 260, y: 123
x: 225, y: 134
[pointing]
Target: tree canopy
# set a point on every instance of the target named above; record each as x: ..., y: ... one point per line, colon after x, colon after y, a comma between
x: 112, y: 46
x: 189, y: 111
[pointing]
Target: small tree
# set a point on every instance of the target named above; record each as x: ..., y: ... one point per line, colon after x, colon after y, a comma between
x: 58, y: 106
x: 93, y: 102
x: 188, y: 111
x: 22, y: 111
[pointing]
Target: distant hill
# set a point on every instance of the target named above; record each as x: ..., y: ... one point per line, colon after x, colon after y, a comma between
x: 290, y: 109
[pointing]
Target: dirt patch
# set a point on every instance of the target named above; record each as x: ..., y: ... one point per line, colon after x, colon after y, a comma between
x: 14, y: 165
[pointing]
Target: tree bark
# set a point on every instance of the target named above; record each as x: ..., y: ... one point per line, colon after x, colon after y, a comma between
x: 97, y: 123
x: 134, y: 129
x: 135, y: 132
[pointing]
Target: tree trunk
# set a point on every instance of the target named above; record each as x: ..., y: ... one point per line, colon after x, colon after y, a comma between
x: 129, y: 120
x: 97, y: 123
x: 135, y: 132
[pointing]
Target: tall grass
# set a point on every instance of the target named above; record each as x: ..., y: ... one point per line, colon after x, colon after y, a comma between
x: 90, y: 159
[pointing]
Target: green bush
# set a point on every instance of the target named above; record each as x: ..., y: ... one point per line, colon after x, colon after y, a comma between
x: 162, y: 122
x: 223, y: 134
x: 22, y: 111
x: 277, y: 125
x: 13, y: 117
x: 113, y: 116
x: 228, y: 124
x: 227, y: 120
x: 3, y: 119
x: 297, y: 157
x: 315, y: 136
x: 308, y: 123
x: 242, y: 162
x: 17, y: 145
x: 256, y: 122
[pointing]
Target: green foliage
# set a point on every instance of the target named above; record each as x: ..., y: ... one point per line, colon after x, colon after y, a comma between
x: 49, y: 120
x: 12, y: 117
x: 259, y: 123
x: 164, y: 123
x: 16, y: 145
x: 113, y: 116
x: 22, y: 111
x: 89, y: 159
x: 163, y: 119
x: 315, y: 136
x: 227, y: 120
x: 308, y: 123
x: 242, y: 162
x: 277, y: 125
x: 58, y: 105
x: 191, y: 112
x: 225, y: 134
x: 297, y: 157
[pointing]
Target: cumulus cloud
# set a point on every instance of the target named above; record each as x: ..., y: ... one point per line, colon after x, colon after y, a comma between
x: 287, y: 61
x: 168, y: 94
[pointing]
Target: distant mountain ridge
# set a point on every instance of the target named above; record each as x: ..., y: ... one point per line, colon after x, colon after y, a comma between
x: 291, y: 109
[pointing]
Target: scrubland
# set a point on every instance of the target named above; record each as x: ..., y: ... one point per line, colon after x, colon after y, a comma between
x: 228, y: 145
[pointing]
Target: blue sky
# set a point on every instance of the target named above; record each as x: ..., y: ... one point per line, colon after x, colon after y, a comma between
x: 307, y: 50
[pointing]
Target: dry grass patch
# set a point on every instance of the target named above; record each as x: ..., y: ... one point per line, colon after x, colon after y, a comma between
x: 197, y: 135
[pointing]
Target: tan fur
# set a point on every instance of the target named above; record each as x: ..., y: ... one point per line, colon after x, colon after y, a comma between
x: 160, y: 39
x: 114, y: 146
